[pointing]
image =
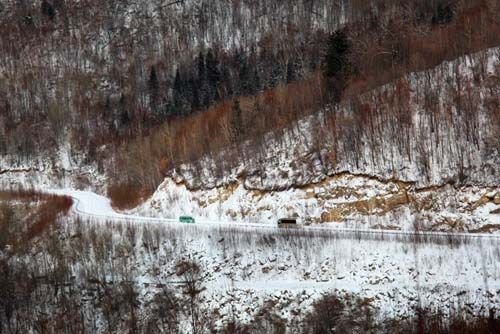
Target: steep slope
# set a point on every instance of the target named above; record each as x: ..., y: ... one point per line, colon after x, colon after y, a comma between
x: 427, y: 154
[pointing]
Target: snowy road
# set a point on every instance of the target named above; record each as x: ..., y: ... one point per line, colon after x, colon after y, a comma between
x: 91, y: 205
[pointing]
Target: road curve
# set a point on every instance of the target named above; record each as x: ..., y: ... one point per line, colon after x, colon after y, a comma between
x: 91, y: 205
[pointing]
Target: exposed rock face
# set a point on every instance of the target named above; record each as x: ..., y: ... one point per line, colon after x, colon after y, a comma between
x: 348, y: 200
x: 496, y: 199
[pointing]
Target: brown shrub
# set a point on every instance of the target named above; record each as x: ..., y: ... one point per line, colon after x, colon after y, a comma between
x: 48, y: 209
x: 46, y: 214
x: 125, y: 196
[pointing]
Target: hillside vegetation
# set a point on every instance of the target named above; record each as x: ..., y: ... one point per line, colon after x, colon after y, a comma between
x: 140, y: 87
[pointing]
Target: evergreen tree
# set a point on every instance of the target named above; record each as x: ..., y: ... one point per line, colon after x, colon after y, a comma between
x: 337, y: 66
x: 276, y: 73
x: 336, y: 59
x: 212, y: 68
x: 153, y: 87
x: 443, y: 14
x: 203, y: 87
x: 177, y: 83
x: 124, y: 115
x: 236, y: 122
x: 48, y: 9
x: 246, y: 76
x: 178, y: 95
x: 227, y: 82
x: 201, y: 67
x: 291, y: 72
x: 153, y: 80
x: 214, y: 76
x: 256, y: 79
x: 195, y: 100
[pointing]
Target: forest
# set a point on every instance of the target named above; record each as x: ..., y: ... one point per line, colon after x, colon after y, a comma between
x: 339, y: 114
x: 139, y: 88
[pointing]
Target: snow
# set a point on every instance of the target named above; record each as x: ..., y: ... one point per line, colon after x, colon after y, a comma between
x: 292, y: 176
x: 87, y: 202
x: 65, y: 171
x: 243, y: 267
x: 248, y: 260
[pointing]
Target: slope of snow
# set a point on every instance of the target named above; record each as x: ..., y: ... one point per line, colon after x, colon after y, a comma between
x: 65, y: 171
x: 296, y: 175
x: 244, y: 269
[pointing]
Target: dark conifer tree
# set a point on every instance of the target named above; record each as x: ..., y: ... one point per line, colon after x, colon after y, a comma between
x: 336, y: 59
x: 257, y: 86
x: 291, y: 71
x: 195, y: 100
x: 443, y: 14
x: 227, y: 82
x: 276, y: 73
x: 337, y: 66
x: 177, y: 83
x: 124, y: 115
x: 153, y: 87
x: 213, y: 76
x: 201, y: 67
x: 246, y: 79
x: 48, y: 9
x: 236, y: 122
x: 178, y: 95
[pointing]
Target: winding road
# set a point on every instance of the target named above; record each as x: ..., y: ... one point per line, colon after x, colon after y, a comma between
x: 91, y: 205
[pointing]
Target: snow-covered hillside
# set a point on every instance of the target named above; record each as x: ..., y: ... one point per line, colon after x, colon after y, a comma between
x: 435, y: 176
x: 245, y: 269
x: 64, y: 170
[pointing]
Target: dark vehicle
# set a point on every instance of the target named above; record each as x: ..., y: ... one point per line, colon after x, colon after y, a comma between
x: 287, y: 222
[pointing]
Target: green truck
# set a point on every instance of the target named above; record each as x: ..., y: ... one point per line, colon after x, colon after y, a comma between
x: 186, y: 220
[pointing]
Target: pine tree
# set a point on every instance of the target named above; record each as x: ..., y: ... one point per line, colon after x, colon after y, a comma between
x: 195, y: 100
x: 276, y: 73
x: 48, y: 9
x: 153, y: 87
x: 177, y: 83
x: 236, y: 122
x: 246, y: 76
x: 257, y: 85
x: 337, y: 66
x: 124, y: 116
x: 336, y: 59
x: 291, y: 74
x: 178, y: 95
x: 443, y: 15
x: 227, y: 82
x: 201, y: 67
x: 214, y: 76
x: 203, y: 86
x: 153, y: 80
x: 212, y: 67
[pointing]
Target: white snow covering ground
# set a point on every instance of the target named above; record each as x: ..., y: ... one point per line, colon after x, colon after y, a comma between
x: 66, y: 171
x: 244, y: 268
x: 248, y: 266
x: 292, y: 174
